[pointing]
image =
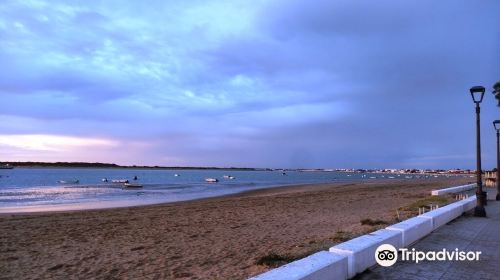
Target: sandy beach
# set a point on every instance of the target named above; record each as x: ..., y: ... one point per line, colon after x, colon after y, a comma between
x: 218, y: 238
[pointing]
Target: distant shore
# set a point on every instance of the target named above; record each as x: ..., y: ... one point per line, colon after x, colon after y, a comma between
x: 388, y: 172
x: 230, y: 237
x: 32, y: 164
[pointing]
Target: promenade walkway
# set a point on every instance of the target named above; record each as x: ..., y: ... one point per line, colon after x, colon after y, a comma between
x: 467, y: 233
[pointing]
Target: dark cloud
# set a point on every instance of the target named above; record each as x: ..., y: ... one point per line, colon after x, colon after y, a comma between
x: 404, y: 67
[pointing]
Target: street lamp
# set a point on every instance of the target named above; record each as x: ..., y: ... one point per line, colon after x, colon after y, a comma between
x: 496, y: 92
x: 477, y: 94
x: 496, y: 125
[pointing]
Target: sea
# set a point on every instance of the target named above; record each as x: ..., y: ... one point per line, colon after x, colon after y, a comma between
x: 40, y: 189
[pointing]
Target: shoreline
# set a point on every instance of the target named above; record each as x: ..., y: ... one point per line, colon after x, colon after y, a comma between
x: 104, y: 205
x: 210, y: 238
x: 95, y: 206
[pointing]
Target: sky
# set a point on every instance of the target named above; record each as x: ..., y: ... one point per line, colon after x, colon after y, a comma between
x: 281, y: 84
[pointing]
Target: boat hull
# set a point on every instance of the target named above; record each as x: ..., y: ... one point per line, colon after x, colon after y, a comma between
x: 132, y: 186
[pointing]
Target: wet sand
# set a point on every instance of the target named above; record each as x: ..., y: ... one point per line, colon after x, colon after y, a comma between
x: 215, y: 238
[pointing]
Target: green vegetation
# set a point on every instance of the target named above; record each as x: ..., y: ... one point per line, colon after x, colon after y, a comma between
x: 370, y: 222
x: 274, y: 260
x: 425, y: 203
x: 341, y: 236
x: 412, y: 209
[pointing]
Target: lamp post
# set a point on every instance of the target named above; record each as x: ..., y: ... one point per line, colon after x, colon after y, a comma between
x: 496, y: 92
x: 496, y: 125
x: 477, y: 94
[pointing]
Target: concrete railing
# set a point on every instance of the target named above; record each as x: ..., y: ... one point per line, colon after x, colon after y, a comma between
x: 456, y: 189
x: 360, y: 251
x: 321, y: 265
x: 345, y: 260
x: 413, y: 229
x: 443, y: 215
x: 468, y: 203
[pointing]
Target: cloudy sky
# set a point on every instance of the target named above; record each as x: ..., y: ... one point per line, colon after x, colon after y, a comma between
x: 363, y: 84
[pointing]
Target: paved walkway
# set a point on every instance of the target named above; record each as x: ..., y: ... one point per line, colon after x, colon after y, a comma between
x: 467, y: 233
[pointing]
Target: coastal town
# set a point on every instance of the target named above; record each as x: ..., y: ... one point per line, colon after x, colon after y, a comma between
x: 395, y: 171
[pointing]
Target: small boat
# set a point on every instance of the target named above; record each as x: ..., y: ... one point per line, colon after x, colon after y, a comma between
x: 176, y: 175
x: 132, y: 186
x: 6, y: 166
x: 211, y: 180
x: 120, y: 181
x: 68, y: 181
x: 105, y: 180
x: 228, y: 177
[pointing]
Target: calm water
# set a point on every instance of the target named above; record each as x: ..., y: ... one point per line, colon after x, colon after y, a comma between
x: 36, y: 189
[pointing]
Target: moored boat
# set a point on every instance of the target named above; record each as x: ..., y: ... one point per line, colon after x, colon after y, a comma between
x: 132, y: 186
x: 120, y: 181
x: 68, y: 181
x: 211, y: 180
x: 6, y: 166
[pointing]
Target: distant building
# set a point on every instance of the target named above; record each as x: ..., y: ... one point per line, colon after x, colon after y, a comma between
x: 490, y: 178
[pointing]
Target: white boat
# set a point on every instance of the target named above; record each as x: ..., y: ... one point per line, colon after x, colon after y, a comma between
x: 68, y: 181
x: 132, y: 186
x: 176, y: 175
x: 105, y: 180
x: 228, y: 177
x: 120, y: 181
x: 211, y: 180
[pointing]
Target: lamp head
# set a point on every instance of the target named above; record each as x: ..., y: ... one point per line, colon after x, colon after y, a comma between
x: 496, y: 92
x: 496, y: 87
x: 477, y: 93
x: 496, y: 124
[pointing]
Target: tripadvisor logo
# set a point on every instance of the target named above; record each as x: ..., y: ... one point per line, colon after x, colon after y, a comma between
x: 387, y: 255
